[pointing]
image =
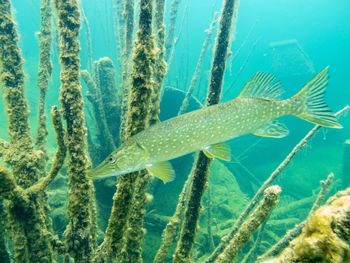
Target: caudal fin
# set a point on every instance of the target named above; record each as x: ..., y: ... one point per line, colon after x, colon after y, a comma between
x: 309, y: 103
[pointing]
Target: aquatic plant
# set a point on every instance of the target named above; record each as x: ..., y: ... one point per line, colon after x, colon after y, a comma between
x: 255, y: 219
x: 23, y: 182
x: 104, y: 136
x: 128, y: 14
x: 202, y: 163
x: 137, y: 119
x: 160, y: 66
x: 170, y: 38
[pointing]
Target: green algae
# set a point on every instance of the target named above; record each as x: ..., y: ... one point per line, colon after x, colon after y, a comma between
x: 80, y: 232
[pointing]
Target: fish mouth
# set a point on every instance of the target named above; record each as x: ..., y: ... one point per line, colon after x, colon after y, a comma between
x: 101, y: 170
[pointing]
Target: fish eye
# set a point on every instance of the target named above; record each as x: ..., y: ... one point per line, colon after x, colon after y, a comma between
x: 111, y: 159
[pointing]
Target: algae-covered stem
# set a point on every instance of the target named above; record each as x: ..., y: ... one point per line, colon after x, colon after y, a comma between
x: 28, y: 233
x: 80, y: 231
x: 172, y: 227
x: 105, y: 83
x: 142, y: 84
x: 45, y: 69
x: 160, y: 66
x: 137, y: 119
x: 253, y: 202
x: 169, y: 42
x: 4, y: 255
x: 128, y: 14
x: 105, y: 137
x: 256, y: 218
x: 202, y: 164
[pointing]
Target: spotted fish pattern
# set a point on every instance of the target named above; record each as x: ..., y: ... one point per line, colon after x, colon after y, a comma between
x: 253, y: 111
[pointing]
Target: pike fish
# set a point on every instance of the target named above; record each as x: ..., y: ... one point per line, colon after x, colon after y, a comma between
x: 254, y: 111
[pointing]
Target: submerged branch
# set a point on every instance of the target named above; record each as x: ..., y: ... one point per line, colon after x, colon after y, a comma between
x: 169, y: 232
x: 246, y: 230
x: 59, y: 156
x: 44, y: 74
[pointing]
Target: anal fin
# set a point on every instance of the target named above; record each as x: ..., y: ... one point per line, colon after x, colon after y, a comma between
x: 273, y: 129
x: 220, y: 151
x: 162, y: 170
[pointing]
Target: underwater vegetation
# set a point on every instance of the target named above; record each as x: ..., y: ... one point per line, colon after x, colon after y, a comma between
x: 56, y: 204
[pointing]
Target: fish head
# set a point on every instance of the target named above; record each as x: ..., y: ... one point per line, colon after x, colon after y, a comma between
x: 128, y: 158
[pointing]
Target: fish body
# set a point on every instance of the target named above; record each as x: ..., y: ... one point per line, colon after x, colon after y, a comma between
x: 253, y: 111
x: 197, y: 130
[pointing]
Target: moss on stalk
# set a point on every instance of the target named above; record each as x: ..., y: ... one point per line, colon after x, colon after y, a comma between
x: 255, y: 219
x: 118, y: 233
x: 202, y: 163
x: 27, y: 215
x: 127, y: 51
x: 160, y: 66
x: 4, y: 255
x: 44, y: 74
x: 80, y: 232
x: 172, y: 227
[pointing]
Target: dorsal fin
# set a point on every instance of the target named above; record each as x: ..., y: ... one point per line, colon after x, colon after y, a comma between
x: 262, y: 85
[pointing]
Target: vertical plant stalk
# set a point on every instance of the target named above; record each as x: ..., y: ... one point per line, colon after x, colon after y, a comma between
x: 160, y: 66
x: 197, y: 71
x: 209, y: 219
x: 119, y: 231
x: 105, y: 83
x: 28, y: 225
x: 45, y: 70
x: 129, y: 31
x: 119, y: 33
x: 4, y: 255
x: 80, y: 231
x: 88, y: 37
x: 103, y: 134
x: 202, y: 163
x: 255, y: 219
x: 170, y: 38
x: 253, y: 202
x: 170, y: 230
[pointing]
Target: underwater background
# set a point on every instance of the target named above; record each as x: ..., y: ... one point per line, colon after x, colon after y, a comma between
x: 291, y: 39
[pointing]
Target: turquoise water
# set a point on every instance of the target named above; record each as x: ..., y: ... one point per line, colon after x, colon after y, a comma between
x: 291, y: 39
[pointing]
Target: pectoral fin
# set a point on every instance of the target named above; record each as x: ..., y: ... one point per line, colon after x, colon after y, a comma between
x: 163, y: 170
x: 274, y: 130
x: 220, y: 151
